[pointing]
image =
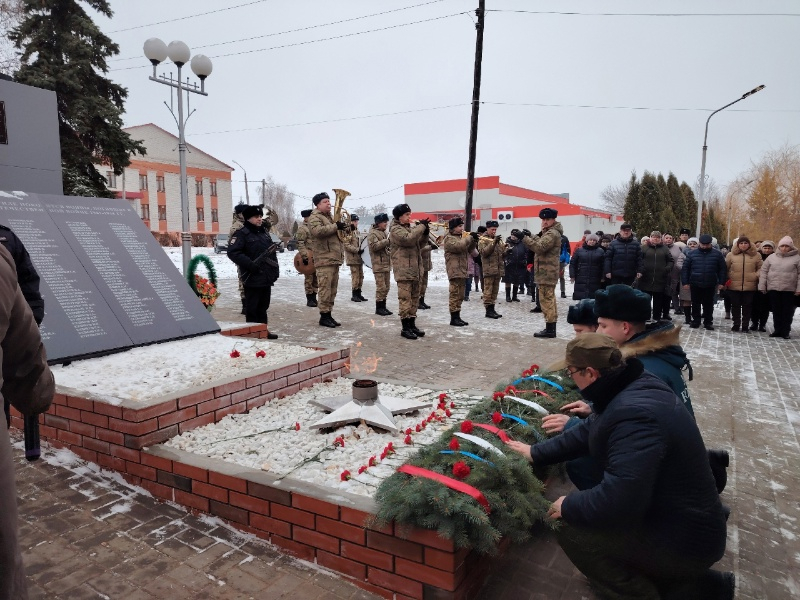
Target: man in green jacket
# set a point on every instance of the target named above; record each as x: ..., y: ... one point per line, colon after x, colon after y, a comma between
x: 546, y: 246
x: 328, y: 250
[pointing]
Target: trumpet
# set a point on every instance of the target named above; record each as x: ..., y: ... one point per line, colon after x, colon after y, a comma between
x: 340, y: 213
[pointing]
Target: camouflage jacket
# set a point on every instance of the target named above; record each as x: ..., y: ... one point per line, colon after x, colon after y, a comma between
x: 351, y: 247
x: 456, y: 249
x: 546, y: 247
x: 405, y: 245
x: 427, y: 263
x: 236, y: 224
x: 379, y: 250
x: 325, y: 243
x: 303, y: 242
x: 492, y: 256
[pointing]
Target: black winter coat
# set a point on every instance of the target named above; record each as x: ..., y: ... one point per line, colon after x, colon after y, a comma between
x: 586, y: 268
x: 657, y: 264
x: 656, y: 476
x: 27, y: 276
x: 247, y: 244
x: 704, y: 268
x: 624, y: 258
x: 516, y: 265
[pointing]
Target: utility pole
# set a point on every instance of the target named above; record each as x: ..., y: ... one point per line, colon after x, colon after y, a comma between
x: 476, y: 101
x: 246, y: 188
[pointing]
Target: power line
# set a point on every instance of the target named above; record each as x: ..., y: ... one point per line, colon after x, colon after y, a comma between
x: 210, y: 12
x: 654, y: 108
x: 277, y: 33
x: 334, y: 37
x: 583, y: 14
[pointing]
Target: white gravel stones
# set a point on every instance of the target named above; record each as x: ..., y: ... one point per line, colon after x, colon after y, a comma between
x: 267, y: 438
x: 149, y: 372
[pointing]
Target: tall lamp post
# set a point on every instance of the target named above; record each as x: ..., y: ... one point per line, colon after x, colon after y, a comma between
x: 178, y: 52
x: 703, y: 165
x: 246, y: 189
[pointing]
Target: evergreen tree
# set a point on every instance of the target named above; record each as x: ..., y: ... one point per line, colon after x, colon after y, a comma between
x: 64, y: 51
x: 650, y: 203
x: 677, y: 204
x: 633, y: 209
x: 690, y: 206
x: 663, y: 213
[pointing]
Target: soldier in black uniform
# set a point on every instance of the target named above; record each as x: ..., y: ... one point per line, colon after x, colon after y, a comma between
x: 245, y: 246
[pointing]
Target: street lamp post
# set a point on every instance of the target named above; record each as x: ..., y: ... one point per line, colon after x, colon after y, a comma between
x: 702, y: 188
x: 246, y: 189
x: 178, y: 52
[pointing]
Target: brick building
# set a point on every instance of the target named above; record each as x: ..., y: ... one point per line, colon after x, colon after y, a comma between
x: 152, y: 184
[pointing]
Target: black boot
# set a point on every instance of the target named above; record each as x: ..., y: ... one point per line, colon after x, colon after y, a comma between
x: 461, y: 321
x: 514, y: 295
x: 491, y: 313
x: 354, y: 296
x: 325, y: 320
x: 311, y: 300
x: 413, y: 326
x: 380, y: 308
x: 244, y: 310
x: 422, y: 305
x: 407, y: 333
x: 508, y: 294
x: 335, y: 322
x: 536, y: 309
x: 455, y: 320
x: 360, y: 295
x: 549, y: 331
x: 719, y: 460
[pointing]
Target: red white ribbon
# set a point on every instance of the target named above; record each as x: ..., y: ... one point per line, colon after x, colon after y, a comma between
x: 453, y: 484
x: 495, y: 430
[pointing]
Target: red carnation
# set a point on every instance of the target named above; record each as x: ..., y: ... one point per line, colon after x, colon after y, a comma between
x: 452, y: 405
x: 461, y: 470
x: 389, y: 448
x: 345, y: 475
x: 496, y: 417
x: 235, y: 353
x: 534, y: 368
x: 424, y: 424
x: 527, y: 373
x: 260, y: 354
x: 408, y: 431
x: 407, y: 439
x: 442, y: 405
x: 448, y: 413
x: 511, y: 390
x: 418, y: 428
x: 442, y: 396
x: 383, y: 454
x: 454, y: 445
x: 361, y: 469
x: 297, y: 426
x: 371, y: 462
x: 466, y: 427
x: 497, y: 396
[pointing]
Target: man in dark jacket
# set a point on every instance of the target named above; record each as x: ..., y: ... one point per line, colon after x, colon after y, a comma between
x: 623, y: 263
x: 704, y: 272
x: 249, y: 243
x: 654, y: 525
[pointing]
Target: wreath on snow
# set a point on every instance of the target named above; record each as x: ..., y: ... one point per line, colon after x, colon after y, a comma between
x: 204, y: 287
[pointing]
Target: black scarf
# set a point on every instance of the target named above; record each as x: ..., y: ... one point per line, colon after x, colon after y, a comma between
x: 604, y: 390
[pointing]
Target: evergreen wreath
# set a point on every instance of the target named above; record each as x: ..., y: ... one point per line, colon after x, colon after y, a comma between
x: 508, y: 482
x: 205, y: 288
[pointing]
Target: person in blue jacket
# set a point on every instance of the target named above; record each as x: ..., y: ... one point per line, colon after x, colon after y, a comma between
x: 654, y: 525
x: 704, y: 272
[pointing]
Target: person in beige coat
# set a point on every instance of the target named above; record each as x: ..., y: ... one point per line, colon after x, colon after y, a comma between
x: 780, y: 280
x: 353, y: 252
x: 378, y: 244
x: 405, y: 247
x: 26, y: 381
x: 328, y: 250
x: 744, y: 267
x: 492, y: 251
x: 456, y: 249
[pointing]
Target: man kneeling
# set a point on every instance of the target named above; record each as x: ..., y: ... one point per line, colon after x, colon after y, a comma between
x: 654, y: 525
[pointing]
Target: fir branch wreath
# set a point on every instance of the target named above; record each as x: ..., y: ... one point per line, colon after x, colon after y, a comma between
x: 205, y: 288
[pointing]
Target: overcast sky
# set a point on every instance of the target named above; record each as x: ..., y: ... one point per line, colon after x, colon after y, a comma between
x: 296, y: 113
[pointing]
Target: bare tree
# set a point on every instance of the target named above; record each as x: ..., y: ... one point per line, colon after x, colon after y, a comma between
x: 10, y: 17
x: 613, y: 197
x: 278, y: 197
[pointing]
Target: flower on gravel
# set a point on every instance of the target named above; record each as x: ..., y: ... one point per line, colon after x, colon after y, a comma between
x: 418, y: 428
x: 389, y: 448
x: 361, y: 469
x: 407, y: 439
x: 441, y: 405
x: 408, y: 431
x: 345, y: 476
x: 297, y: 426
x: 339, y: 441
x: 371, y: 462
x: 442, y: 397
x: 235, y: 353
x: 260, y: 354
x: 461, y: 470
x: 466, y: 427
x: 454, y: 445
x: 452, y: 405
x: 448, y: 413
x: 383, y: 454
x: 496, y: 417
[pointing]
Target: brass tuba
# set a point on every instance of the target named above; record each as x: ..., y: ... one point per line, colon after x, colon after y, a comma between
x: 340, y: 213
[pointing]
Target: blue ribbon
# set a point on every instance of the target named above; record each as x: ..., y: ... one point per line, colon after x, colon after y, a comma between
x: 513, y: 418
x: 470, y: 454
x: 537, y: 378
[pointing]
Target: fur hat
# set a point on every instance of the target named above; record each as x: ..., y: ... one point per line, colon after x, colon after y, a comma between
x: 690, y: 240
x: 582, y: 313
x: 548, y: 213
x: 785, y: 241
x: 622, y: 303
x: 320, y: 197
x: 239, y: 208
x: 490, y: 224
x: 592, y: 236
x: 655, y: 233
x: 684, y: 230
x: 455, y: 222
x: 769, y: 243
x: 481, y: 229
x: 354, y: 217
x: 381, y: 218
x: 253, y: 210
x: 306, y: 213
x: 743, y: 238
x: 401, y: 209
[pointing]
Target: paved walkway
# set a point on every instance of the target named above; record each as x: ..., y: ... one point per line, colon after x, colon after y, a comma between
x: 87, y: 535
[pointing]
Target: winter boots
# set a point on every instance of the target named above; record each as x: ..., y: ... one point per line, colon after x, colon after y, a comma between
x: 326, y: 320
x: 514, y: 295
x: 311, y: 300
x: 356, y: 296
x: 412, y: 325
x: 549, y: 331
x: 455, y: 319
x: 422, y: 305
x: 244, y: 310
x: 719, y: 460
x: 380, y: 308
x: 360, y: 296
x: 407, y: 332
x: 508, y: 294
x: 491, y: 313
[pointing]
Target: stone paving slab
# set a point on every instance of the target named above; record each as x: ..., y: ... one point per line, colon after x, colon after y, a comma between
x: 746, y: 394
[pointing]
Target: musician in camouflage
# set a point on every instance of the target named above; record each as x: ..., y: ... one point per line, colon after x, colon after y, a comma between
x: 492, y: 251
x: 303, y: 246
x: 427, y: 265
x: 378, y: 244
x: 328, y: 251
x: 546, y: 246
x: 405, y: 246
x: 353, y: 252
x: 456, y: 248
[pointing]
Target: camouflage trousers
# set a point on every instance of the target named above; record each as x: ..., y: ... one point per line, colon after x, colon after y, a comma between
x: 491, y: 286
x: 357, y: 276
x: 311, y: 283
x: 408, y: 297
x: 423, y: 286
x: 328, y: 278
x: 547, y: 299
x: 457, y: 289
x: 382, y: 284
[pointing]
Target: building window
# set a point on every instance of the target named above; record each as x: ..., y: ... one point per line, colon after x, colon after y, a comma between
x: 145, y: 212
x: 111, y: 179
x: 200, y: 215
x: 213, y: 186
x: 162, y: 213
x: 198, y: 187
x: 142, y: 182
x: 214, y: 215
x: 160, y: 183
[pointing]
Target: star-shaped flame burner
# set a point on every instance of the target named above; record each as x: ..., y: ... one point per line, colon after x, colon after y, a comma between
x: 365, y: 405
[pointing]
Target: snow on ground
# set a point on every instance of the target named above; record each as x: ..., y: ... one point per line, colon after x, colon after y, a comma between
x: 268, y: 439
x: 172, y: 366
x: 226, y: 269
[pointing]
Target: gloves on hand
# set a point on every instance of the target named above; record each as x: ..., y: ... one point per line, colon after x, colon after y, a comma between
x: 474, y: 235
x: 360, y: 252
x: 498, y: 239
x: 340, y: 226
x: 425, y: 222
x: 525, y: 233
